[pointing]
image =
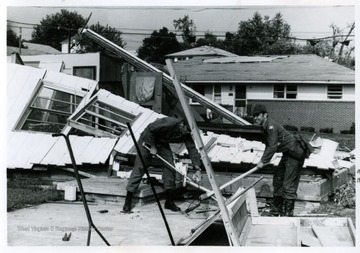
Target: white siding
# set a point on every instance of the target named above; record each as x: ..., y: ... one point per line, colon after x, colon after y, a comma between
x: 70, y: 60
x: 349, y: 93
x: 209, y: 92
x: 305, y: 92
x: 226, y: 98
x: 259, y: 91
x: 312, y: 92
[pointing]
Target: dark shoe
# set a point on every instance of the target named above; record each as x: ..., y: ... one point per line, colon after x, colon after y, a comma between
x: 289, y: 207
x: 169, y: 203
x: 277, y: 209
x: 171, y: 206
x: 127, y: 205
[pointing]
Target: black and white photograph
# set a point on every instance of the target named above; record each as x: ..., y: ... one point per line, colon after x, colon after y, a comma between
x: 173, y: 123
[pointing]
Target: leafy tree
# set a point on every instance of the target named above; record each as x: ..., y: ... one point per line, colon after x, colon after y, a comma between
x: 333, y: 47
x: 208, y: 40
x: 83, y: 44
x: 55, y: 28
x: 228, y: 43
x: 259, y: 35
x: 12, y: 39
x: 187, y: 28
x: 159, y: 44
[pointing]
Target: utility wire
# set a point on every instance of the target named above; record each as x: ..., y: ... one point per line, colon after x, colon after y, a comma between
x: 178, y: 35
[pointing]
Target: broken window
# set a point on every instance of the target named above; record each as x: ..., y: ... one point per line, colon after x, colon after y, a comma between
x: 334, y: 91
x: 49, y: 108
x: 103, y: 117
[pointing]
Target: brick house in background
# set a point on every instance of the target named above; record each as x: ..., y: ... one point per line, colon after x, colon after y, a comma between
x: 298, y: 90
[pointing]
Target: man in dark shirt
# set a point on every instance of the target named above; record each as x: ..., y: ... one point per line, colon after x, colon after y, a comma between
x: 159, y: 134
x: 287, y: 175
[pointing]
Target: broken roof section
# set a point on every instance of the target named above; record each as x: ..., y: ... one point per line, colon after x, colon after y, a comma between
x: 201, y: 51
x: 288, y: 68
x: 167, y: 81
x: 39, y: 104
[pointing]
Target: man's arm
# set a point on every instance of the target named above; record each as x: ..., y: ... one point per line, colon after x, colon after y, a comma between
x: 193, y: 152
x: 272, y: 144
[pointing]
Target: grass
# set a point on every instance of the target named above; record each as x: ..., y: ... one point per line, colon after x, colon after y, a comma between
x: 24, y: 192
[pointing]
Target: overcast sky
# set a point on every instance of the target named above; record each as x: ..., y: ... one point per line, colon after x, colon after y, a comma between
x: 307, y: 21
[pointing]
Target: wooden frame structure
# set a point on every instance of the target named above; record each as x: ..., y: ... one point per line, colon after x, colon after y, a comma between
x: 233, y: 213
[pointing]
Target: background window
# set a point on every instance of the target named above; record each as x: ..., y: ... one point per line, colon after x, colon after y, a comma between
x: 334, y: 91
x: 217, y: 94
x: 285, y: 91
x: 85, y: 72
x: 279, y: 91
x: 291, y: 91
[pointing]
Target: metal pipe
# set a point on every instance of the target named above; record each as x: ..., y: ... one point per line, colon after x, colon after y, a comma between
x: 207, y: 195
x: 151, y: 184
x: 86, y: 207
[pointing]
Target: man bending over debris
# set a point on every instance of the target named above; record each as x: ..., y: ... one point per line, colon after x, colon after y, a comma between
x: 159, y: 134
x: 287, y: 175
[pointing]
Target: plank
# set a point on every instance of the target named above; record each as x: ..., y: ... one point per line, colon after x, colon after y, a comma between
x: 104, y: 151
x: 53, y: 155
x: 229, y: 226
x: 25, y: 152
x: 43, y: 146
x: 22, y: 88
x: 77, y: 143
x: 325, y: 236
x: 54, y: 77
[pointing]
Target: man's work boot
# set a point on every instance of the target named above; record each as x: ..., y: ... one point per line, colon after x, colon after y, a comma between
x: 289, y: 207
x: 127, y: 205
x: 169, y: 203
x: 277, y: 209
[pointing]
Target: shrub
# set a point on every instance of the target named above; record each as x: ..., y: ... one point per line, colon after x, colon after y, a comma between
x: 291, y: 128
x: 352, y: 128
x: 307, y: 129
x: 345, y: 132
x: 328, y: 130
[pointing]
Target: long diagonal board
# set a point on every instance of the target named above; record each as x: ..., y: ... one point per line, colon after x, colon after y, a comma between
x: 230, y: 227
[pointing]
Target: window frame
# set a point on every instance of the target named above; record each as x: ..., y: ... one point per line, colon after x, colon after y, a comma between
x: 75, y: 98
x: 284, y: 91
x: 335, y: 94
x: 85, y: 67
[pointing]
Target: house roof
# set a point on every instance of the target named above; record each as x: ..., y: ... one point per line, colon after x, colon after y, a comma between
x: 21, y: 152
x: 201, y: 51
x: 289, y: 68
x: 33, y: 49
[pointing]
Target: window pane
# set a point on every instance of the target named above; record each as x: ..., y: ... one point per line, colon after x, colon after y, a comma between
x: 49, y: 110
x: 199, y: 88
x: 334, y: 91
x: 279, y: 91
x: 86, y: 72
x: 240, y: 91
x: 291, y: 91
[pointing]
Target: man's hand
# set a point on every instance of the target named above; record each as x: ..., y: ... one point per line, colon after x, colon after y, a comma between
x: 260, y: 165
x: 153, y: 151
x: 197, y: 177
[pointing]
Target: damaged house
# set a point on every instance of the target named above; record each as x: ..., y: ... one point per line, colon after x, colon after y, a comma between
x: 79, y: 101
x: 290, y: 86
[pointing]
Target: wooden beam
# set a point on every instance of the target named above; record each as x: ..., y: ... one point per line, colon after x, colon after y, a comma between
x: 82, y: 173
x: 229, y: 226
